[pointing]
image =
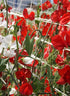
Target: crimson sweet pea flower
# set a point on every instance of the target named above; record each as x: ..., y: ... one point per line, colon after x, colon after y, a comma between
x: 55, y: 16
x: 68, y: 8
x: 20, y: 20
x: 23, y: 73
x: 56, y: 1
x: 31, y: 16
x: 12, y: 17
x: 26, y: 89
x: 4, y: 88
x: 1, y: 15
x: 25, y: 13
x: 65, y: 75
x: 58, y: 42
x: 59, y: 60
x: 23, y: 30
x: 65, y: 18
x: 65, y: 4
x: 48, y: 90
x: 46, y: 5
x: 21, y: 76
x: 43, y: 16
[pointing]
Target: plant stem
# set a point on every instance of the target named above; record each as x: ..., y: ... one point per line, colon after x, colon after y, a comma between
x: 7, y: 15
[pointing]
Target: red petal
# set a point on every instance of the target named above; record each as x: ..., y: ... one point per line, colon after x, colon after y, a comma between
x: 25, y: 13
x: 61, y: 81
x: 58, y: 42
x: 63, y: 70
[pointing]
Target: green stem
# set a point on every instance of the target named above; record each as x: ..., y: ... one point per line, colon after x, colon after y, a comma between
x: 13, y: 79
x: 16, y: 61
x: 48, y: 31
x: 34, y: 31
x: 7, y: 15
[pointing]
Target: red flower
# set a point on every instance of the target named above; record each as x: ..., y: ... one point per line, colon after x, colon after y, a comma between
x: 44, y: 16
x: 11, y: 60
x: 68, y: 7
x: 4, y: 88
x: 46, y: 5
x: 61, y: 81
x: 65, y: 75
x: 1, y: 15
x: 58, y: 42
x: 23, y: 73
x: 65, y: 4
x: 55, y: 16
x: 23, y: 30
x: 26, y: 89
x: 20, y: 75
x: 48, y: 90
x: 65, y: 18
x: 20, y: 20
x: 27, y: 73
x: 31, y: 16
x: 12, y: 17
x: 56, y: 1
x: 59, y: 60
x: 25, y: 13
x: 48, y: 16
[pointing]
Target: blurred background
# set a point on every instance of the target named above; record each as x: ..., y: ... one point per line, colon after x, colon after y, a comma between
x: 19, y: 5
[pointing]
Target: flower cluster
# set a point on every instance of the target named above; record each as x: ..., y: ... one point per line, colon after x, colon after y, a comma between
x: 35, y: 50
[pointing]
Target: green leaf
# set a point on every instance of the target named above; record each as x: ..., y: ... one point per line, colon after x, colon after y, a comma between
x: 49, y: 73
x: 29, y: 44
x: 2, y: 67
x: 4, y: 61
x: 38, y: 85
x: 1, y: 84
x: 2, y: 64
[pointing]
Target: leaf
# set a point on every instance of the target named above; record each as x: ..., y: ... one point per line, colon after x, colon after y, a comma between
x: 2, y: 67
x: 29, y: 44
x: 49, y: 73
x: 4, y: 61
x: 38, y: 85
x: 1, y: 84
